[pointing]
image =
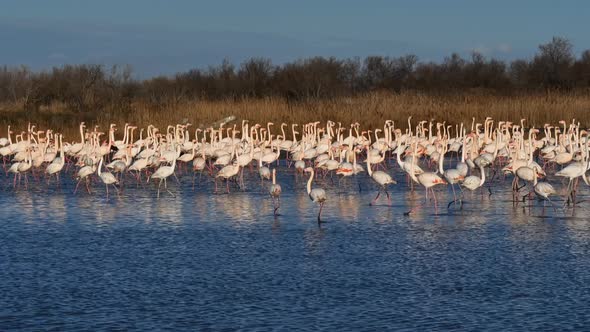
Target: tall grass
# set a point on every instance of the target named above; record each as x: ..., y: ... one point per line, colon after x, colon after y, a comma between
x: 369, y: 110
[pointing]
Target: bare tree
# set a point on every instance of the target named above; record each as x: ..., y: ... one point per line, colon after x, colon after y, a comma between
x: 553, y: 62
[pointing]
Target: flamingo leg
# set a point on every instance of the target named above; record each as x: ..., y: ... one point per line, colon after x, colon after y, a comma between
x: 276, y: 206
x: 552, y: 204
x: 320, y: 213
x: 77, y: 184
x: 376, y: 197
x: 575, y: 189
x: 569, y: 192
x: 117, y: 190
x: 435, y: 201
x: 242, y: 179
x: 168, y: 190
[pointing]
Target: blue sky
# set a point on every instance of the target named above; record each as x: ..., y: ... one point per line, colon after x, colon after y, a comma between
x: 163, y: 37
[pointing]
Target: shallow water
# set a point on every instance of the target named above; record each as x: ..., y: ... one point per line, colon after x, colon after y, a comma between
x: 199, y: 261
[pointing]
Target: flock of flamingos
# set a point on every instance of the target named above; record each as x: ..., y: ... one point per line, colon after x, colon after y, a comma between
x: 319, y: 150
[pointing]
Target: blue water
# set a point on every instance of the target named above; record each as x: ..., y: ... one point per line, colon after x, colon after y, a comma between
x: 199, y: 261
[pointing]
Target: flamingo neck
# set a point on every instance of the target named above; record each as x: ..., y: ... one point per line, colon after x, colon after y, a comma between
x: 177, y: 150
x: 483, y: 176
x: 61, y: 151
x: 463, y: 149
x: 309, y: 182
x: 399, y: 158
x: 441, y: 160
x: 412, y: 167
x: 530, y: 151
x: 369, y: 170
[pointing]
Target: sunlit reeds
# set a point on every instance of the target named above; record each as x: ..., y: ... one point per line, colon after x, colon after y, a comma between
x: 370, y: 110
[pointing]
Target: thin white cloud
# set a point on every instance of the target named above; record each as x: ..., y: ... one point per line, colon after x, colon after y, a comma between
x: 481, y: 49
x: 57, y: 56
x: 505, y: 48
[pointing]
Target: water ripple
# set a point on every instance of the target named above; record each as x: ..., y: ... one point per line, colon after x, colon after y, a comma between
x: 199, y: 261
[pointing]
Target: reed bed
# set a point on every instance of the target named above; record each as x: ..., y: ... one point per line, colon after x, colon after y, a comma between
x: 370, y: 110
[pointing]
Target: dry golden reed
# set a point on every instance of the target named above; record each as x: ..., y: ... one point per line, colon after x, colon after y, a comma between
x: 369, y: 110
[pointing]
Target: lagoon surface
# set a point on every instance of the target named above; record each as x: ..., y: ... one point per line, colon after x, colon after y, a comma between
x: 199, y: 261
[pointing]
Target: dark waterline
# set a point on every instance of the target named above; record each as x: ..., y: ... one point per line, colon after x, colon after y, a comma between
x: 200, y: 261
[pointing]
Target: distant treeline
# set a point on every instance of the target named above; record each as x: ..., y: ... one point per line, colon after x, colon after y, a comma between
x: 91, y: 88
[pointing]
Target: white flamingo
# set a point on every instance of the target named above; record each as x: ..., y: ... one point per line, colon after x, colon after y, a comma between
x: 163, y: 173
x: 383, y: 180
x: 107, y: 178
x: 317, y: 195
x: 275, y: 192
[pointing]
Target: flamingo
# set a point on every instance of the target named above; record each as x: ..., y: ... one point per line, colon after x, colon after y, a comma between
x: 544, y: 190
x: 137, y: 166
x: 275, y: 192
x: 227, y: 172
x: 473, y: 182
x: 347, y: 169
x: 24, y: 167
x: 462, y: 166
x: 199, y: 164
x: 83, y: 174
x: 427, y: 179
x: 317, y: 195
x: 263, y: 171
x: 383, y: 180
x: 163, y: 173
x: 20, y: 167
x: 452, y: 175
x: 58, y: 165
x: 107, y: 178
x: 299, y: 166
x: 573, y: 171
x: 14, y: 169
